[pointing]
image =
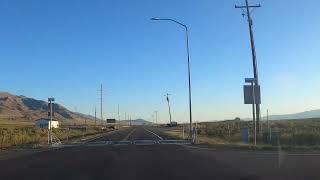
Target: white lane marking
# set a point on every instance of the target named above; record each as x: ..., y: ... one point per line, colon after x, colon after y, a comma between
x: 127, y: 137
x: 100, y: 136
x: 257, y: 153
x: 283, y: 153
x: 198, y: 148
x: 95, y: 138
x: 153, y: 133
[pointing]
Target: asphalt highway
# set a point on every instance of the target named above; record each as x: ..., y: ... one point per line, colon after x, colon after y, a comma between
x: 158, y: 161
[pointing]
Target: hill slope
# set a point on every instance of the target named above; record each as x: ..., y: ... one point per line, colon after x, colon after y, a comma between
x: 21, y: 108
x: 136, y: 122
x: 301, y: 115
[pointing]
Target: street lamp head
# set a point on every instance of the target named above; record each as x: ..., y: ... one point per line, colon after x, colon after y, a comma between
x: 154, y: 19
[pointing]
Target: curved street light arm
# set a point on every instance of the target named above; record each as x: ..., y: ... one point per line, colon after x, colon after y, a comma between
x: 168, y: 19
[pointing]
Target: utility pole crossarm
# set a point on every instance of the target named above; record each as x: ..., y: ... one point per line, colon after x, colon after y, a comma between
x: 254, y: 6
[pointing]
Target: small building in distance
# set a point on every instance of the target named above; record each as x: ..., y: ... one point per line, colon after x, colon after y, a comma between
x: 44, y: 123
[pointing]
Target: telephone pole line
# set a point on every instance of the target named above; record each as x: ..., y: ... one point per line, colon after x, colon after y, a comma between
x: 95, y: 116
x: 167, y: 96
x: 156, y: 112
x: 101, y: 104
x: 246, y: 11
x: 118, y: 116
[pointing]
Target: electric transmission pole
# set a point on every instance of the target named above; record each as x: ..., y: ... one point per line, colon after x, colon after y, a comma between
x: 246, y: 12
x: 95, y: 116
x: 167, y: 95
x: 118, y: 116
x: 101, y: 104
x: 156, y: 112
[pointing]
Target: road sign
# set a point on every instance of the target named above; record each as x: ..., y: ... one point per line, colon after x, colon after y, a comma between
x: 248, y: 94
x: 49, y: 105
x: 111, y: 121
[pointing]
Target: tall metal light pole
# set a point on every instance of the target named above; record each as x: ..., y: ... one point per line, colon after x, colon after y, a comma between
x: 189, y: 71
x: 246, y: 11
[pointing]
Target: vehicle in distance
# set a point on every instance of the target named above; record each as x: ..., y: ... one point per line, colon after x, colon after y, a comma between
x: 111, y: 123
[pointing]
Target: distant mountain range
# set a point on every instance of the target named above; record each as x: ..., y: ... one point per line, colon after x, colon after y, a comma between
x: 21, y: 108
x: 136, y: 122
x: 301, y: 115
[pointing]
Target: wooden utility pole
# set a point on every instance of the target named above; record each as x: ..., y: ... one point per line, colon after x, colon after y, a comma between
x: 95, y: 116
x: 167, y: 96
x: 118, y: 116
x: 246, y: 11
x: 101, y: 113
x: 156, y: 112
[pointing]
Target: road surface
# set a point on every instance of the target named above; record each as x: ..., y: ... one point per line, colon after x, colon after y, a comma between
x: 157, y: 161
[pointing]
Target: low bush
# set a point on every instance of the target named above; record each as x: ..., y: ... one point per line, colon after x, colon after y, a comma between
x: 16, y: 136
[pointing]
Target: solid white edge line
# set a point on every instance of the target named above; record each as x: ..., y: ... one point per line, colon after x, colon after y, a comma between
x: 257, y: 153
x: 153, y: 133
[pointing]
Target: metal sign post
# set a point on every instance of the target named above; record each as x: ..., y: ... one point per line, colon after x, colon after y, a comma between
x: 50, y: 104
x: 252, y: 96
x: 253, y: 110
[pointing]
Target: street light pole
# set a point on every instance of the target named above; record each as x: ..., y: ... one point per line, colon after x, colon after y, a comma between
x: 189, y: 69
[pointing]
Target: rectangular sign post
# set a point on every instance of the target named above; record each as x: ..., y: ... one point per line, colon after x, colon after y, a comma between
x: 248, y: 94
x: 252, y: 96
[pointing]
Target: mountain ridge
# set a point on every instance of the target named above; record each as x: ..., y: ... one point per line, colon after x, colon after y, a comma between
x: 300, y: 115
x: 22, y: 108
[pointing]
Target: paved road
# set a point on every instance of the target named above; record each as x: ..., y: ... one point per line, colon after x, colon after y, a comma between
x: 163, y: 162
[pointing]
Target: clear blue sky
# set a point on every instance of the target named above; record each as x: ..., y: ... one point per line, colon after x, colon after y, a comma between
x: 65, y: 49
